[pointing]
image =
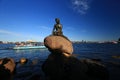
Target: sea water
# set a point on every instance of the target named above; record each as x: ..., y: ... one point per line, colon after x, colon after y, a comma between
x: 36, y: 57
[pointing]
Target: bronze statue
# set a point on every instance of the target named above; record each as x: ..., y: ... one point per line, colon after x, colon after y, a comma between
x: 57, y: 30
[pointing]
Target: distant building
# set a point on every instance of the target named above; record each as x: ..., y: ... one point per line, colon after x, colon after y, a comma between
x: 1, y: 42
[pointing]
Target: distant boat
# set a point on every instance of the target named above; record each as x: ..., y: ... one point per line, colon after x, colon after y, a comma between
x: 29, y: 47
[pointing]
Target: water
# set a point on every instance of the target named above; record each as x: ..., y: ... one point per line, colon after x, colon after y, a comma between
x: 102, y: 51
x: 36, y: 58
x: 6, y: 46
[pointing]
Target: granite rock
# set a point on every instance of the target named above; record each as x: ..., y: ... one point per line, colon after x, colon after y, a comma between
x: 58, y: 44
x: 7, y: 68
x: 60, y: 67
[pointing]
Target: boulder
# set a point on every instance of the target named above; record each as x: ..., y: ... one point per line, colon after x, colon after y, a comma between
x: 58, y: 44
x: 60, y: 67
x: 96, y: 70
x: 7, y: 68
x: 116, y: 57
x: 23, y: 60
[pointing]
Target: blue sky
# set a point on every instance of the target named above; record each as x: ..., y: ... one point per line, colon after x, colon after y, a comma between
x: 91, y: 20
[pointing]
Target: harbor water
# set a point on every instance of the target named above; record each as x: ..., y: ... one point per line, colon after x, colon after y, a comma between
x: 100, y: 51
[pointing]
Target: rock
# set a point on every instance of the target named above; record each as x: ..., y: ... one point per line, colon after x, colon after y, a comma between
x: 7, y: 68
x: 60, y: 67
x: 35, y: 61
x: 96, y: 70
x: 23, y: 60
x: 116, y: 57
x: 58, y: 44
x: 114, y: 63
x: 96, y: 59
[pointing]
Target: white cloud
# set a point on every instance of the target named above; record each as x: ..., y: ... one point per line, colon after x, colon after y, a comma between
x: 81, y: 6
x: 20, y: 36
x: 9, y: 33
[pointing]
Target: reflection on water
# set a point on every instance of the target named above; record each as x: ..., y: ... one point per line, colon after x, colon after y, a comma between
x: 36, y: 57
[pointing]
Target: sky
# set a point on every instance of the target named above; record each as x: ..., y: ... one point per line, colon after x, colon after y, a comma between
x: 90, y: 20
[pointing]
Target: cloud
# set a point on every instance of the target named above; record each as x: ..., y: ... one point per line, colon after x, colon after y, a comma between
x: 22, y: 36
x: 9, y: 33
x: 81, y: 6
